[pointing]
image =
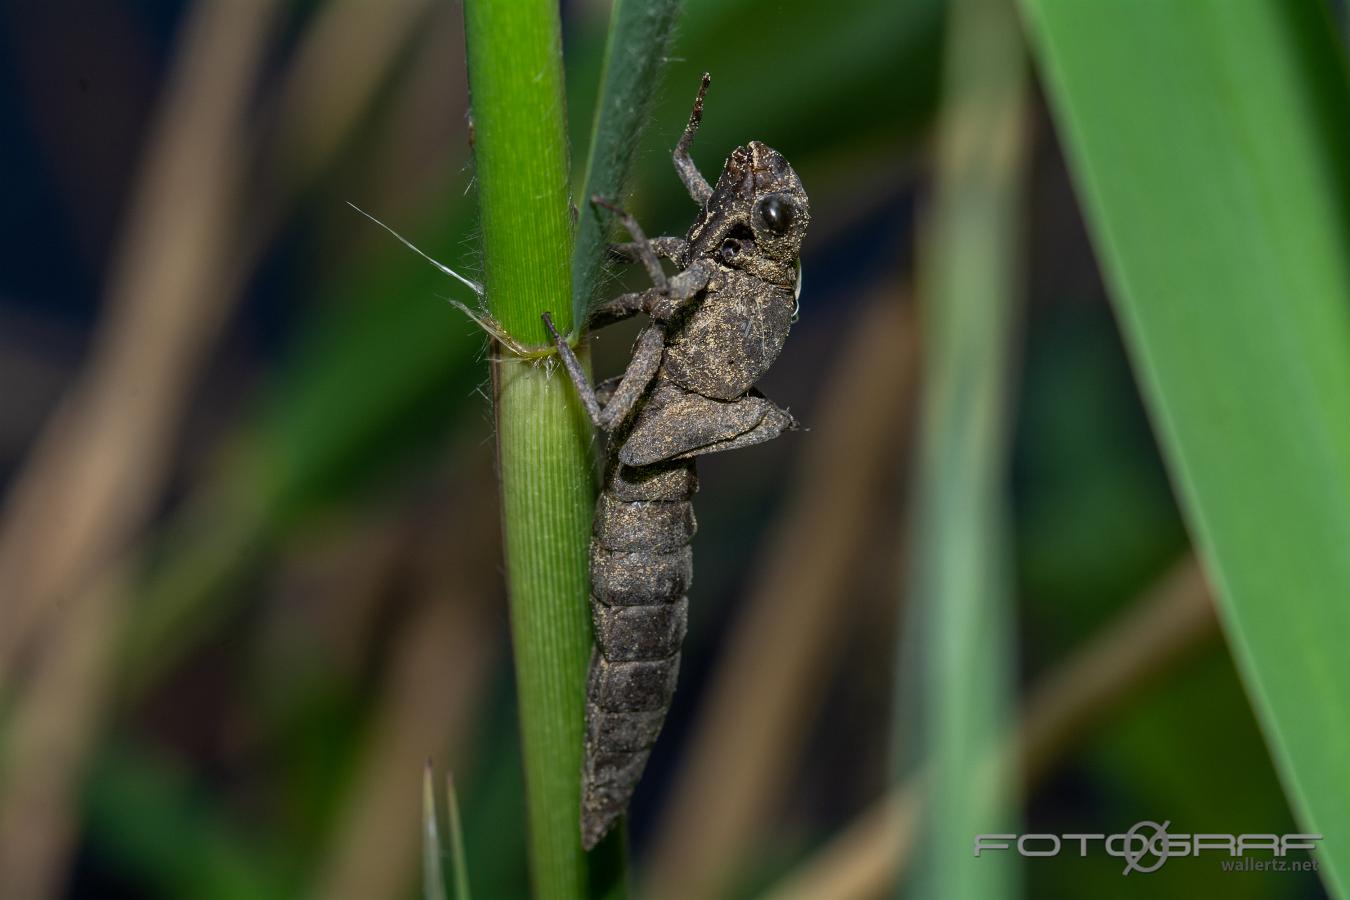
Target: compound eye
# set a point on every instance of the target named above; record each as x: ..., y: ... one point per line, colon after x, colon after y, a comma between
x: 731, y: 248
x: 777, y: 213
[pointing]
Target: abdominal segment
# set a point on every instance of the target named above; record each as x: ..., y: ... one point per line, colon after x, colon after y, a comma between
x: 641, y: 566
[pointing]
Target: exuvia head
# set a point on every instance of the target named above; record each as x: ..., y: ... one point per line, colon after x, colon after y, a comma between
x: 757, y: 215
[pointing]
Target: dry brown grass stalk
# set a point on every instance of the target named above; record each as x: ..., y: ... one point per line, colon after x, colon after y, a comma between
x: 95, y: 473
x: 47, y: 737
x: 97, y: 470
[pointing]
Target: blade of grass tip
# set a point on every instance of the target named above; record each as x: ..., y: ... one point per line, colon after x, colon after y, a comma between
x: 433, y: 874
x: 1166, y: 625
x: 547, y: 473
x: 459, y: 861
x: 959, y: 622
x: 636, y: 48
x: 1210, y: 145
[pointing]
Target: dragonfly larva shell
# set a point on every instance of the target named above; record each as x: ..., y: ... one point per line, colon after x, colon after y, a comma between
x: 716, y: 328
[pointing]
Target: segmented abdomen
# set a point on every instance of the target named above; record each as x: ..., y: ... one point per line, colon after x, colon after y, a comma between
x: 641, y: 566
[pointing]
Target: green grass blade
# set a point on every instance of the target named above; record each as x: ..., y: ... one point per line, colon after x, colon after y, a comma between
x: 520, y: 160
x: 961, y: 582
x: 514, y: 50
x: 434, y: 845
x: 433, y: 872
x: 459, y: 861
x: 640, y: 35
x: 1210, y: 142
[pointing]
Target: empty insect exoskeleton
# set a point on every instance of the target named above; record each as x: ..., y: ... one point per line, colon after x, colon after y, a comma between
x: 716, y: 327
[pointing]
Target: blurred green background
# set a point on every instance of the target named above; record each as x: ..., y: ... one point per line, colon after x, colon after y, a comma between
x: 295, y: 584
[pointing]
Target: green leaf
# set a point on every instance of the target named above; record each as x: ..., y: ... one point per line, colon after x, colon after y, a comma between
x: 962, y: 586
x: 640, y: 34
x: 520, y: 159
x: 1210, y: 142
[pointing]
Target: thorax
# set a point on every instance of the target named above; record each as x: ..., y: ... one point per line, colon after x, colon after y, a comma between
x: 730, y: 337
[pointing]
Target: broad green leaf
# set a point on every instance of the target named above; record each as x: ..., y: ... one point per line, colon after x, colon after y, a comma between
x: 1210, y: 142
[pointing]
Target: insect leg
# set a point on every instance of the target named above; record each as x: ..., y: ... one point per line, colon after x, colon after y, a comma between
x: 621, y: 307
x: 641, y: 246
x: 694, y: 182
x: 575, y: 372
x: 661, y: 305
x: 682, y: 288
x: 671, y: 248
x: 646, y: 360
